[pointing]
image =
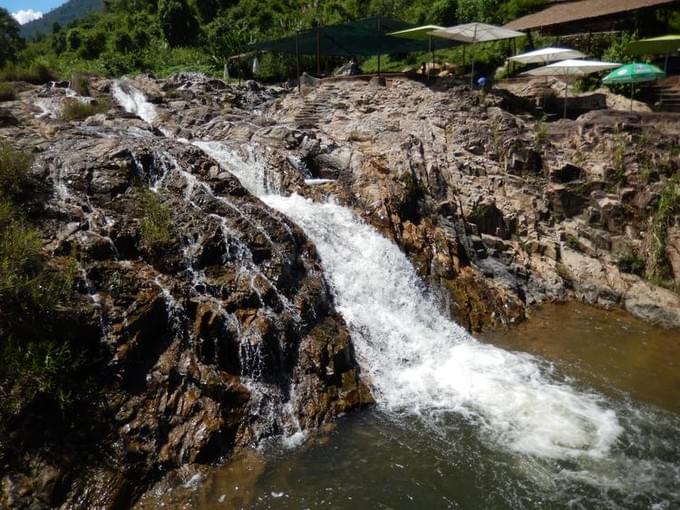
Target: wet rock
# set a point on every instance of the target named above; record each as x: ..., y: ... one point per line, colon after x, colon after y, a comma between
x: 566, y: 173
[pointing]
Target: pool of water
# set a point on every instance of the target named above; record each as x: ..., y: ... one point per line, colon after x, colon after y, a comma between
x: 387, y: 460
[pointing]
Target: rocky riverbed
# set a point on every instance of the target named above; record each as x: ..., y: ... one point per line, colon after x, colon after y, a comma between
x: 226, y: 332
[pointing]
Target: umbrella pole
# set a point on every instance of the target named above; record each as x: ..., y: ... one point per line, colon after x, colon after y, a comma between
x: 665, y: 64
x: 632, y: 92
x: 472, y: 74
x: 429, y: 48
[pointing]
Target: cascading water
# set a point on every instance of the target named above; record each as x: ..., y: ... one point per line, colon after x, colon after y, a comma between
x: 423, y: 366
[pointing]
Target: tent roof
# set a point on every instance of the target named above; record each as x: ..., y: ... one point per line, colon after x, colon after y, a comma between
x: 364, y: 37
x: 422, y: 33
x: 545, y: 55
x: 577, y: 12
x: 476, y: 32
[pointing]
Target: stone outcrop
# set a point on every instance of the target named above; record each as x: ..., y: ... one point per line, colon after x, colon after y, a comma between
x: 218, y: 334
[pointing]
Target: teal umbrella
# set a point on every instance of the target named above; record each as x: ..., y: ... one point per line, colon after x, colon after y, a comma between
x: 632, y: 74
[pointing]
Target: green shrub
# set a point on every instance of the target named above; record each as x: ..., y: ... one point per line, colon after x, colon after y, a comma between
x: 79, y: 110
x: 26, y: 281
x: 32, y: 367
x: 7, y: 92
x: 34, y: 360
x: 36, y: 74
x: 14, y: 170
x: 80, y: 83
x: 156, y: 230
x: 666, y: 213
x: 572, y: 241
x: 631, y: 263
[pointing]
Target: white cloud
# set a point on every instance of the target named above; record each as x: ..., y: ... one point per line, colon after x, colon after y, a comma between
x: 27, y: 15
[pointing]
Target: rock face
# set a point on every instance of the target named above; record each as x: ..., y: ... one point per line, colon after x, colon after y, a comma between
x: 486, y: 202
x: 214, y: 335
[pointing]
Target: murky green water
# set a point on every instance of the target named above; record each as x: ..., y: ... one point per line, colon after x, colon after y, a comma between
x: 384, y: 460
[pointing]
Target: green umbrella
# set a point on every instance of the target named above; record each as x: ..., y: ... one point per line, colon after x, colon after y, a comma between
x: 632, y: 74
x: 663, y: 45
x: 423, y: 33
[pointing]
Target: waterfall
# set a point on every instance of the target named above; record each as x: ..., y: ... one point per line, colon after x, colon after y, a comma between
x: 134, y: 101
x: 422, y: 365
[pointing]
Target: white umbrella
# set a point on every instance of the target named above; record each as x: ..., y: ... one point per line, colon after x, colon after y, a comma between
x: 546, y: 55
x: 474, y: 33
x: 569, y: 69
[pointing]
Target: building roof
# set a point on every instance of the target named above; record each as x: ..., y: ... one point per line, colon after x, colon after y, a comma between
x: 569, y: 12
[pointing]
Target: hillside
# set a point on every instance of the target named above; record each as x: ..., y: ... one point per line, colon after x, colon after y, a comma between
x: 70, y: 11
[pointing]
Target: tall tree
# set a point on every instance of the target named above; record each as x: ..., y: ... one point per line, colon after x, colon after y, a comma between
x: 10, y: 38
x: 178, y: 22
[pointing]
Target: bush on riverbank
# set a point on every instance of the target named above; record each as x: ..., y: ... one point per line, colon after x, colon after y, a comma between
x: 7, y: 92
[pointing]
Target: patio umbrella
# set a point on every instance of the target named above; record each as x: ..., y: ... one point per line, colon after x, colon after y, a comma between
x: 632, y: 74
x: 570, y: 69
x: 664, y: 45
x: 475, y: 33
x: 546, y: 55
x: 422, y: 33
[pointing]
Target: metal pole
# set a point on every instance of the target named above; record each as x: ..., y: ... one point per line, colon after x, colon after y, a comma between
x: 297, y: 60
x: 380, y: 28
x: 472, y: 74
x: 665, y: 64
x: 429, y: 40
x: 318, y: 51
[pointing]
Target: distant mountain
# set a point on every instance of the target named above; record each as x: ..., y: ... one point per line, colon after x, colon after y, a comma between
x: 64, y: 14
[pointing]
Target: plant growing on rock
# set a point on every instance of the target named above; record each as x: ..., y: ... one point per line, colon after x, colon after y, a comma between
x: 156, y: 229
x: 74, y: 110
x: 631, y: 263
x: 667, y: 210
x: 7, y: 92
x: 540, y: 135
x: 14, y: 170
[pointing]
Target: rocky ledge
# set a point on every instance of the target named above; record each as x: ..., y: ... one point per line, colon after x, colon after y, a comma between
x: 202, y: 319
x: 498, y: 210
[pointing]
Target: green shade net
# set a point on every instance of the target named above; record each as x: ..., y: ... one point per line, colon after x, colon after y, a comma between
x: 364, y: 37
x: 655, y: 46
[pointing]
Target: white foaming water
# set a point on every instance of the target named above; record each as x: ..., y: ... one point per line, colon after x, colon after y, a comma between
x: 251, y: 174
x: 420, y: 362
x: 134, y: 101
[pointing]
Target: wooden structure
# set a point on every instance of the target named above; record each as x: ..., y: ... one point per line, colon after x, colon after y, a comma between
x: 584, y: 16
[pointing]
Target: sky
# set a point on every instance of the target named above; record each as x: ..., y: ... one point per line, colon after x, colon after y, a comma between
x: 26, y: 10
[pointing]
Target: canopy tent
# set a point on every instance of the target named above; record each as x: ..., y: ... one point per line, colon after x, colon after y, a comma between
x: 663, y: 45
x: 632, y: 74
x: 422, y: 33
x: 364, y: 37
x: 569, y: 69
x: 474, y: 33
x: 546, y: 55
